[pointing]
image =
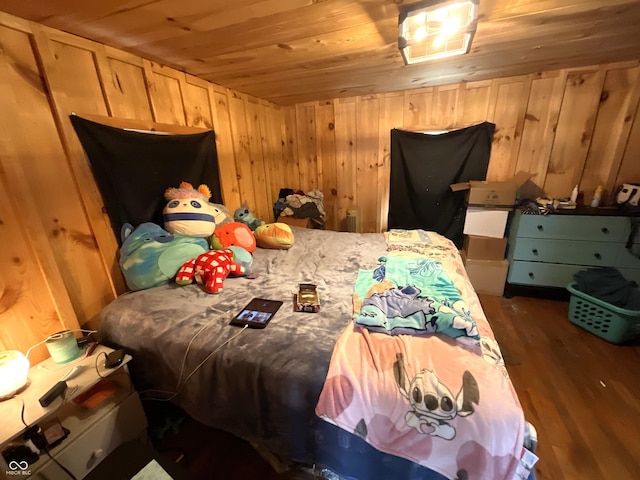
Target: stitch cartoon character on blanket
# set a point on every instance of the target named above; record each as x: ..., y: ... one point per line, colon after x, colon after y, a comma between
x: 425, y: 398
x: 433, y: 405
x: 412, y: 295
x: 438, y: 393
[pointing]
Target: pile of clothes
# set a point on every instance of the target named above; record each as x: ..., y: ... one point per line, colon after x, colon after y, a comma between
x: 608, y: 284
x: 297, y: 204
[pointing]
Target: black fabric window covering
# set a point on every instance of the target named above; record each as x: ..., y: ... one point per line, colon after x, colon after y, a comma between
x: 423, y: 166
x: 133, y: 169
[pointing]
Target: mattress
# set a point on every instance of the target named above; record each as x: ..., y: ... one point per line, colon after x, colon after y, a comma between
x: 263, y: 385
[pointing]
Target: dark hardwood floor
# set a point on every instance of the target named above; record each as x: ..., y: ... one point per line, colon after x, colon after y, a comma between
x: 206, y: 453
x: 581, y: 393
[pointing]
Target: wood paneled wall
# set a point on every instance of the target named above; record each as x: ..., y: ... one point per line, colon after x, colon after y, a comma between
x: 58, y: 255
x: 58, y: 259
x: 573, y: 126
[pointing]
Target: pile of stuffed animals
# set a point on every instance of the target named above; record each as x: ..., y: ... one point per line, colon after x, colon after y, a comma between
x: 200, y: 241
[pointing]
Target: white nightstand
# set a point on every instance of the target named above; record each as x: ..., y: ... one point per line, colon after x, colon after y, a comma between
x: 93, y: 432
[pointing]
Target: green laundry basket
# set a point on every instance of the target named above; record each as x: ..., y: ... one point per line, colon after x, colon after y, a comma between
x: 614, y: 324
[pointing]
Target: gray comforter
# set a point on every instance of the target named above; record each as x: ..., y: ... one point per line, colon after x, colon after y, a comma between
x: 264, y: 384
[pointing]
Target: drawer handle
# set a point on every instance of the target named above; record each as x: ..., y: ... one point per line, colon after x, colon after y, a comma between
x: 540, y: 227
x: 531, y: 275
x: 534, y: 251
x: 605, y: 230
x: 598, y: 256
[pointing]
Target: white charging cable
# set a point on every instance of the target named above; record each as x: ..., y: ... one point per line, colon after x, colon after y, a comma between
x: 180, y: 386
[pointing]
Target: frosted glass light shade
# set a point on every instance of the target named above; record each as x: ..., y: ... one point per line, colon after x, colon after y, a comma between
x: 14, y: 371
x: 430, y: 30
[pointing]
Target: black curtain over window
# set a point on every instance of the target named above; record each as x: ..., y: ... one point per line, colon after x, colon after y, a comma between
x: 423, y: 166
x: 133, y: 169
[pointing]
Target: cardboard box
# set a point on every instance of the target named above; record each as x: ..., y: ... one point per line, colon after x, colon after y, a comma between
x: 493, y: 194
x: 295, y: 222
x: 487, y: 276
x: 484, y: 248
x: 486, y: 222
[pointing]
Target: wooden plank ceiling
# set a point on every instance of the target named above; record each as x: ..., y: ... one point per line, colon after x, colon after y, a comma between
x: 293, y: 51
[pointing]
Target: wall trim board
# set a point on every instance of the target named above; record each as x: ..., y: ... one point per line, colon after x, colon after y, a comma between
x: 129, y: 123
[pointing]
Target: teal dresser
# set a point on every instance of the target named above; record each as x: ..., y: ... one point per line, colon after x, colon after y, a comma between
x: 546, y: 250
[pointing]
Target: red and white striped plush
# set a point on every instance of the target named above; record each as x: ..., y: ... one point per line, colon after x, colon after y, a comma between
x: 209, y: 270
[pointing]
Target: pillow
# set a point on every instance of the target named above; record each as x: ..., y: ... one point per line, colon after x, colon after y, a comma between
x: 274, y: 235
x: 150, y: 256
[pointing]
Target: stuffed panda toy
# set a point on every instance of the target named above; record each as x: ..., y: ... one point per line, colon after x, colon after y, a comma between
x: 188, y: 211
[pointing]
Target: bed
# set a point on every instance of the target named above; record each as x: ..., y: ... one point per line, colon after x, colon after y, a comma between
x: 283, y: 387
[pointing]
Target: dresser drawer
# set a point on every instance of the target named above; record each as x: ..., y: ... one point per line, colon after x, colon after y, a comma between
x: 125, y: 422
x: 631, y: 274
x: 543, y: 274
x: 573, y: 227
x: 626, y: 259
x: 598, y: 254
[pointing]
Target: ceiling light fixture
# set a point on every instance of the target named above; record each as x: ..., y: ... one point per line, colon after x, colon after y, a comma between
x: 430, y: 30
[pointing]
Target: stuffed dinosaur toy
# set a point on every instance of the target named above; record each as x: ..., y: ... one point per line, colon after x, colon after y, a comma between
x: 210, y: 270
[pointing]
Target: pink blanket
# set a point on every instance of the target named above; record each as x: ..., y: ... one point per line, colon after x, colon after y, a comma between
x: 444, y: 403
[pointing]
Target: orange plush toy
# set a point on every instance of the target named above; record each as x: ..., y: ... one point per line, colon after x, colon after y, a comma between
x: 209, y: 270
x: 233, y: 234
x: 274, y: 235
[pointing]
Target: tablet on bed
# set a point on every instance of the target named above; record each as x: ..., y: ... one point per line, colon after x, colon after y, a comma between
x: 257, y: 314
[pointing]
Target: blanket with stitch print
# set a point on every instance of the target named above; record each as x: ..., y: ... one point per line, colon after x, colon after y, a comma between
x: 411, y: 294
x: 442, y: 402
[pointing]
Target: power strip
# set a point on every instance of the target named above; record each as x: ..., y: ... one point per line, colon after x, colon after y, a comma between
x: 53, y: 393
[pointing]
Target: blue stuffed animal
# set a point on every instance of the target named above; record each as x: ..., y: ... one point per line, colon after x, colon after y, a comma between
x: 151, y: 256
x: 243, y: 215
x: 243, y: 257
